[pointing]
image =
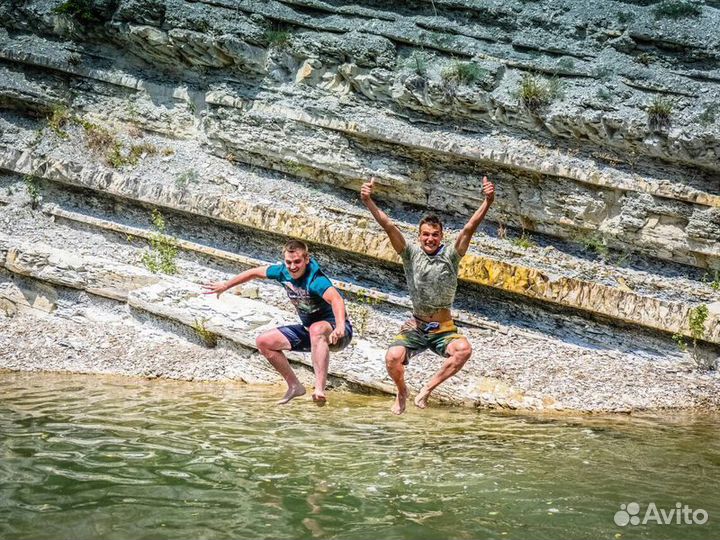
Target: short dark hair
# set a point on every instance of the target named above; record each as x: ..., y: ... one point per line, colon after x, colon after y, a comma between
x: 431, y: 219
x: 295, y: 245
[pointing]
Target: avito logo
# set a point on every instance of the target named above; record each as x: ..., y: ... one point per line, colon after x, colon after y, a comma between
x: 681, y: 514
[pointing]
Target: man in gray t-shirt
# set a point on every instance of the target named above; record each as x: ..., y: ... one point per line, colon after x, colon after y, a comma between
x: 431, y: 270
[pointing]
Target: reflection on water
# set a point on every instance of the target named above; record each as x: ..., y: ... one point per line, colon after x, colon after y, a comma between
x: 103, y: 457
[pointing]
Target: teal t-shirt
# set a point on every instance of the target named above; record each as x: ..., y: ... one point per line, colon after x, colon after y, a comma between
x: 305, y: 293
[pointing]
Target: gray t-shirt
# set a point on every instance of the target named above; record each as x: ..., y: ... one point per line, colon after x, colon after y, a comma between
x: 431, y: 279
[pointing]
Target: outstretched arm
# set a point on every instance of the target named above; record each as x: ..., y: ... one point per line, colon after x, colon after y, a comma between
x: 463, y: 240
x: 219, y: 287
x: 396, y: 238
x: 332, y: 297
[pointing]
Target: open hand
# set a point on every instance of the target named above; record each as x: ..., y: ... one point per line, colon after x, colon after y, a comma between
x: 217, y: 287
x: 488, y: 189
x: 366, y: 190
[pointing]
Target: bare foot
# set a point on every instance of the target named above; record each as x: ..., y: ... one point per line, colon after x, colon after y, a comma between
x: 421, y: 398
x: 319, y: 399
x: 292, y: 392
x: 399, y: 405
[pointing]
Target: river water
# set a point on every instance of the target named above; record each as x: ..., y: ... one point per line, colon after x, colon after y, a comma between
x: 86, y: 457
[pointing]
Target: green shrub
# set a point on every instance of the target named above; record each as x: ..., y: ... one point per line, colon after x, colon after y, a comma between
x: 163, y: 248
x: 696, y: 321
x: 119, y: 156
x: 359, y: 310
x: 677, y: 9
x: 277, y: 38
x: 418, y: 62
x: 98, y: 138
x: 86, y: 12
x: 680, y: 340
x: 524, y: 241
x: 604, y: 94
x: 596, y: 244
x: 536, y: 93
x: 659, y: 112
x: 32, y: 186
x: 646, y: 59
x: 183, y: 179
x: 58, y: 119
x: 463, y: 73
x: 715, y: 283
x: 209, y: 338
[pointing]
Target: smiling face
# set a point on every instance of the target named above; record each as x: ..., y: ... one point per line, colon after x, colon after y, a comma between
x: 430, y: 237
x: 296, y: 262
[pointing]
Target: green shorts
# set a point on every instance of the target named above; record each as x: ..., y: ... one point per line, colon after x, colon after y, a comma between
x: 417, y: 336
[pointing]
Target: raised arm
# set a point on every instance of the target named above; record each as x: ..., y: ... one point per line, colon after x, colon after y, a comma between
x: 396, y: 238
x: 219, y: 287
x: 463, y: 240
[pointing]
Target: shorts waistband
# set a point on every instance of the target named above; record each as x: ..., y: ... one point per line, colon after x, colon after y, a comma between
x: 434, y: 326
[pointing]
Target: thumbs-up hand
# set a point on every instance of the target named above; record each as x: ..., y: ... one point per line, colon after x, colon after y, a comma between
x: 366, y: 190
x: 488, y: 189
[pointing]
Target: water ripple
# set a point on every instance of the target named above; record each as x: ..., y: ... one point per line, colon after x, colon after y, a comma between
x: 125, y: 458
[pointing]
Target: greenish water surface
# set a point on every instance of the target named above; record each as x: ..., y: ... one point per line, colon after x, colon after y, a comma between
x: 116, y: 458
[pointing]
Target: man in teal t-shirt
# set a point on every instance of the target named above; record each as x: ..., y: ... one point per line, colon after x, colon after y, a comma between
x: 322, y: 313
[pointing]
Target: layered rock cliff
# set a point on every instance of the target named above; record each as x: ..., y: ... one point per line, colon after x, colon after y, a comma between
x: 600, y: 125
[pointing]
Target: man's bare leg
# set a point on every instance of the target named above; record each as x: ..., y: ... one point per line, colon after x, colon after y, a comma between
x: 459, y: 351
x: 271, y: 345
x: 394, y: 359
x: 320, y: 354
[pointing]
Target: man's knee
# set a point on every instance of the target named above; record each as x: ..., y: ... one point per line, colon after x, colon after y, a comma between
x: 395, y: 356
x: 319, y: 332
x: 460, y: 351
x: 263, y: 342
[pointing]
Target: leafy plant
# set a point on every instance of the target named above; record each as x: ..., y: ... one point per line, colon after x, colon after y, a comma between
x: 59, y: 117
x: 87, y: 12
x: 646, y: 58
x: 418, y: 62
x: 277, y: 38
x: 659, y: 112
x: 463, y: 73
x: 360, y: 310
x: 32, y: 187
x: 208, y: 337
x: 163, y: 248
x: 119, y: 157
x: 680, y: 340
x: 523, y: 241
x: 604, y: 94
x: 536, y: 93
x: 696, y: 323
x: 187, y: 177
x: 596, y: 244
x: 98, y: 138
